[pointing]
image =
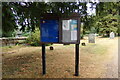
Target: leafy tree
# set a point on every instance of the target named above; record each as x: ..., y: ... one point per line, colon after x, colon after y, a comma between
x: 106, y: 19
x: 27, y: 14
x: 87, y: 19
x: 8, y: 20
x: 107, y: 24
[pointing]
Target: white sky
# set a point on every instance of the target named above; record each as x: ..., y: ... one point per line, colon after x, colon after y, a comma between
x: 91, y: 11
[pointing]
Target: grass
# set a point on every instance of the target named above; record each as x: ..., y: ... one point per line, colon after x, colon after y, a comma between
x: 96, y: 49
x: 15, y: 65
x: 25, y: 62
x: 9, y: 48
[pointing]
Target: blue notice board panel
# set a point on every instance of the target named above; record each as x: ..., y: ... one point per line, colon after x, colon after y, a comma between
x: 49, y: 30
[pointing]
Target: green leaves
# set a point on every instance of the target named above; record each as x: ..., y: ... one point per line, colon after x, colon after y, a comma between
x: 27, y: 14
x: 107, y: 17
x: 107, y: 24
x: 8, y: 20
x: 34, y: 38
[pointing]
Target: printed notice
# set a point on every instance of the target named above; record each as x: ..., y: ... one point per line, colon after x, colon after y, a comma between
x: 73, y: 27
x: 66, y: 25
x: 73, y: 35
x: 73, y: 24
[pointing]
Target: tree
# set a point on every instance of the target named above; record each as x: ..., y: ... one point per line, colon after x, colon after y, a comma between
x: 107, y: 24
x: 107, y: 17
x: 27, y: 14
x: 8, y: 20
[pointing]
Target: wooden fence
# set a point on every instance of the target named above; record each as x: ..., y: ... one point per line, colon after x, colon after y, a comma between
x: 11, y: 41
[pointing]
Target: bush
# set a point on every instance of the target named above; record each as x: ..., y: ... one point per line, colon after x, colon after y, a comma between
x: 81, y: 36
x: 25, y: 34
x: 34, y: 38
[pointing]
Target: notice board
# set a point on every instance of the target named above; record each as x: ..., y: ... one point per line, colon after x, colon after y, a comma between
x: 49, y: 31
x: 56, y: 28
x: 69, y: 30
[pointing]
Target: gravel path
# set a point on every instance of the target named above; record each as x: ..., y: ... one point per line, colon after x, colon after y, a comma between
x: 112, y: 63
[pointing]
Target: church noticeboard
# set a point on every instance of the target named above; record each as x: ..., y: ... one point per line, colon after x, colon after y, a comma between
x: 59, y: 29
x: 69, y: 30
x: 62, y: 29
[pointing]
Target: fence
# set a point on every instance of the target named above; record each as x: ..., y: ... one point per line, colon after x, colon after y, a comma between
x: 11, y: 41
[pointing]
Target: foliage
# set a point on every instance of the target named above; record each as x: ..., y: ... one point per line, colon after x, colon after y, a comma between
x: 7, y: 34
x: 8, y: 20
x: 26, y: 34
x: 107, y: 24
x: 105, y: 8
x: 107, y: 17
x: 27, y: 14
x: 119, y: 23
x: 34, y: 38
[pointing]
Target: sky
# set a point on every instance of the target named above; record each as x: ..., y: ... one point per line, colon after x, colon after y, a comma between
x: 91, y: 11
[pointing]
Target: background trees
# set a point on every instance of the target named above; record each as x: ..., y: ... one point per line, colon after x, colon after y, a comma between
x: 107, y: 24
x: 26, y: 15
x: 8, y: 20
x: 107, y: 17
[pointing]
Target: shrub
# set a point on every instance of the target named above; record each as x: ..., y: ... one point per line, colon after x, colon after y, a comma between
x: 81, y: 36
x: 34, y: 38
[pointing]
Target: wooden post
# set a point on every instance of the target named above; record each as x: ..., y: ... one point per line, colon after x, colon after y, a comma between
x: 43, y: 60
x: 76, y: 59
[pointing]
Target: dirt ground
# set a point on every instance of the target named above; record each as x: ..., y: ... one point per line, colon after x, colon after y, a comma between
x: 97, y: 60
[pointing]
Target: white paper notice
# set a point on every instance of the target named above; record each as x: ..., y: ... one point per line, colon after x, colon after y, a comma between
x: 73, y: 35
x: 66, y: 24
